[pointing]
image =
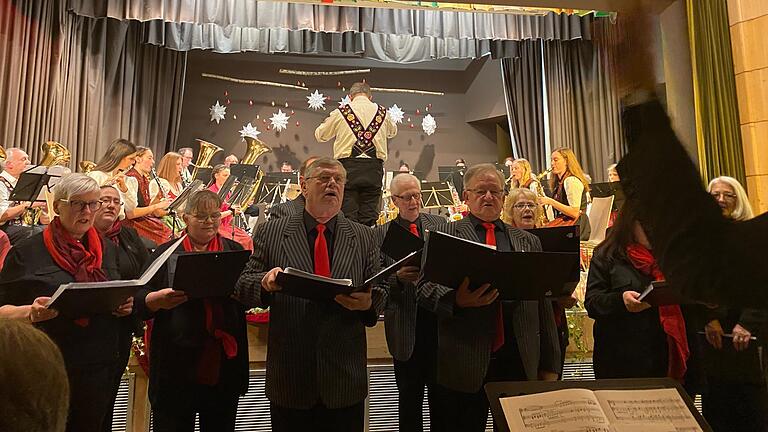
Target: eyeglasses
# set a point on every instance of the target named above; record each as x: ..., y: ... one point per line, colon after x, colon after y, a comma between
x: 204, y: 218
x: 484, y: 192
x: 325, y: 179
x: 724, y: 195
x: 416, y: 196
x: 523, y: 206
x: 108, y: 201
x: 80, y: 206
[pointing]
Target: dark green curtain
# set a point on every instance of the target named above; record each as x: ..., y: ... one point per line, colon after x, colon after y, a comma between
x: 714, y: 88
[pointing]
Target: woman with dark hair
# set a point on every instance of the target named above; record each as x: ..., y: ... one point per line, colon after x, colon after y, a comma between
x: 150, y: 207
x: 632, y: 338
x: 70, y: 250
x: 111, y: 169
x: 227, y: 229
x: 569, y: 188
x: 199, y: 349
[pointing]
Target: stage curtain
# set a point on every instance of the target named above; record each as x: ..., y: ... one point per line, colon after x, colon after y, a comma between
x: 583, y: 101
x: 525, y: 102
x: 84, y: 82
x: 441, y: 24
x: 714, y: 90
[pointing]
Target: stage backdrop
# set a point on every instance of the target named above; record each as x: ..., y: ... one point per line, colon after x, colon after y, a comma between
x: 464, y: 115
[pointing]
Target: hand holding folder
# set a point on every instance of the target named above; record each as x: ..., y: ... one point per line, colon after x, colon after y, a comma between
x: 310, y: 286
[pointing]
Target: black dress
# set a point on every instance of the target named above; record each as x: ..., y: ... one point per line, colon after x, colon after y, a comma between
x: 176, y: 345
x: 90, y: 352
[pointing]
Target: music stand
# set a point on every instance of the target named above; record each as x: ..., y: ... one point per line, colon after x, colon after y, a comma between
x: 436, y: 195
x: 604, y: 190
x: 453, y: 174
x: 29, y: 186
x: 204, y: 174
x: 497, y: 390
x: 273, y: 187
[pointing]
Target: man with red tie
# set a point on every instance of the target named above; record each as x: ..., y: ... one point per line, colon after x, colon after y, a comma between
x: 480, y: 338
x: 317, y: 360
x: 411, y: 331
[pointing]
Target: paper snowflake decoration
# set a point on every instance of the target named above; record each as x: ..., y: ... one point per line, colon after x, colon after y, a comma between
x: 345, y: 101
x: 279, y: 121
x: 316, y: 100
x: 218, y: 112
x: 396, y: 113
x: 428, y: 124
x: 249, y: 131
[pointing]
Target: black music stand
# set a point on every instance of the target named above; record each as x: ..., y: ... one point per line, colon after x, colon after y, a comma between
x: 29, y: 186
x: 436, y: 195
x: 273, y: 187
x: 204, y: 174
x: 497, y: 390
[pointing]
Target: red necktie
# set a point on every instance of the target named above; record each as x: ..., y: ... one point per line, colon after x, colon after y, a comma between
x: 414, y: 229
x: 322, y: 263
x: 498, y: 341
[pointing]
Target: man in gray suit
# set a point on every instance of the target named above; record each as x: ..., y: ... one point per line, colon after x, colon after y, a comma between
x: 296, y: 205
x: 481, y: 339
x: 411, y: 331
x: 316, y: 360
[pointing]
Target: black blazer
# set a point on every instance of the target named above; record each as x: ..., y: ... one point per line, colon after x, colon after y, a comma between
x: 179, y: 334
x: 627, y: 345
x: 317, y: 350
x: 96, y: 343
x: 287, y: 208
x: 465, y: 336
x: 400, y: 314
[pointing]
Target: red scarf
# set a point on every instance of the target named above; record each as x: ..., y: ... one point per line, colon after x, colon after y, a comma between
x: 114, y: 231
x: 671, y: 316
x: 71, y: 255
x: 209, y: 364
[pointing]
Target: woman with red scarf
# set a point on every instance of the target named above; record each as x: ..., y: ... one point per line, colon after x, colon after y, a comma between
x: 133, y: 255
x: 199, y: 348
x: 632, y: 338
x: 70, y: 250
x: 227, y: 229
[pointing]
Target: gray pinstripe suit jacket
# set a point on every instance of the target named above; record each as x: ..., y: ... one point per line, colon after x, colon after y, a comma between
x: 400, y: 314
x: 465, y: 336
x: 317, y: 350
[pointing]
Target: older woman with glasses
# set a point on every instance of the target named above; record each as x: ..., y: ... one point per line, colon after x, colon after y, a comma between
x: 734, y: 401
x: 199, y: 349
x: 70, y: 250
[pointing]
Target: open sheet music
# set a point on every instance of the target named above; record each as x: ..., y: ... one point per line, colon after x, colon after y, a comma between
x: 582, y: 410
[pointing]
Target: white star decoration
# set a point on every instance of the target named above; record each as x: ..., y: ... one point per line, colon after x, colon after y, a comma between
x: 429, y: 124
x: 396, y: 113
x: 345, y: 101
x: 316, y: 100
x: 218, y: 112
x: 279, y: 121
x: 249, y: 131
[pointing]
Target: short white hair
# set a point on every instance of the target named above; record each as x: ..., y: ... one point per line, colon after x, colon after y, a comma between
x: 74, y: 184
x: 398, y: 181
x: 743, y: 209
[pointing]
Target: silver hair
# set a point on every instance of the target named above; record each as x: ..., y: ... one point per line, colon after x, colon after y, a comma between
x: 396, y: 185
x: 74, y: 184
x: 743, y: 209
x: 183, y: 150
x: 360, y: 88
x: 9, y: 153
x: 204, y: 196
x: 324, y: 162
x: 483, y: 168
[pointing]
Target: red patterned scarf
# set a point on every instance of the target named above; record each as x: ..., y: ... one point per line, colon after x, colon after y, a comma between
x: 671, y: 316
x: 209, y: 364
x: 114, y: 231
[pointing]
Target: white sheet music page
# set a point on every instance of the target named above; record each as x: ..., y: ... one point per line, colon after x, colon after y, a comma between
x: 570, y: 410
x: 643, y: 406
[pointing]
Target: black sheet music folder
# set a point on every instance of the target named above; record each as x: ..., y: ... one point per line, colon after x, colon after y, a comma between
x: 209, y: 274
x: 399, y: 242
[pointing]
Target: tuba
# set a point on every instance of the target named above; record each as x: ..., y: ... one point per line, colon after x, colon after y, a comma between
x: 255, y: 148
x: 207, y: 150
x: 87, y: 166
x: 247, y: 188
x: 55, y: 154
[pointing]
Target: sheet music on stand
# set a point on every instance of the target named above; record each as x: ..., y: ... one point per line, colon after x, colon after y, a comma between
x: 33, y: 183
x: 274, y: 186
x: 184, y: 195
x: 436, y: 194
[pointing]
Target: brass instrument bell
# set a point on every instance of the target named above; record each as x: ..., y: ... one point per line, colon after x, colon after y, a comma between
x: 54, y: 153
x: 207, y: 150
